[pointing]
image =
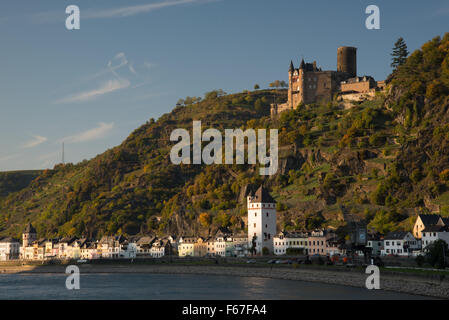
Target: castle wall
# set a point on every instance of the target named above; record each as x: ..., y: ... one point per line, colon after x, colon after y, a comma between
x: 363, y: 86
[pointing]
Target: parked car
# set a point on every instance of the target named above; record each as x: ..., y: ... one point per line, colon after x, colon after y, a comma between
x: 271, y: 261
x: 251, y: 261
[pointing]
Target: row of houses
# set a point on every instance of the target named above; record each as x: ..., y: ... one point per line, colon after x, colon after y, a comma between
x: 427, y: 229
x: 108, y: 247
x: 261, y: 237
x: 223, y: 244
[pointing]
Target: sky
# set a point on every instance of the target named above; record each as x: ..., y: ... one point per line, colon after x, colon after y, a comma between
x: 133, y: 60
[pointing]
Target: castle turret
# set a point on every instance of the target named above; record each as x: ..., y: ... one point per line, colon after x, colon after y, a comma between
x: 347, y: 60
x: 29, y: 235
x: 290, y: 70
x: 302, y: 66
x: 261, y: 220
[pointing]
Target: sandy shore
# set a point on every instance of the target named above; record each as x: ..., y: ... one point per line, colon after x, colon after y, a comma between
x: 434, y: 286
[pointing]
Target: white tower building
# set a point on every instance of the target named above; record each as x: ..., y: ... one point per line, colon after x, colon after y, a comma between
x: 261, y: 220
x: 29, y: 235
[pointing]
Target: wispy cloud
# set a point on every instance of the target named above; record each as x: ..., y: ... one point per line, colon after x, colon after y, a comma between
x: 118, y: 12
x: 37, y: 140
x: 101, y: 131
x: 9, y: 157
x: 134, y: 10
x: 108, y: 87
x: 444, y: 11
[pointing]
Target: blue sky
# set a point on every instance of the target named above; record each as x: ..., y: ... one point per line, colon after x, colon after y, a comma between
x: 132, y: 60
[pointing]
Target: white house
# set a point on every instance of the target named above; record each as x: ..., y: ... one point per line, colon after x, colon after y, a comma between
x: 376, y: 245
x: 400, y: 243
x: 160, y: 248
x: 9, y: 249
x: 116, y: 247
x: 186, y: 246
x: 434, y: 233
x: 424, y: 221
x: 261, y: 220
x: 220, y: 245
x: 89, y: 250
x: 285, y: 240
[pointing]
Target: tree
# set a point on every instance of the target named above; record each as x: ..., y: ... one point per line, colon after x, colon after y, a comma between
x: 205, y: 219
x: 399, y: 53
x: 214, y: 94
x: 253, y: 245
x: 436, y: 254
x: 256, y: 87
x: 278, y: 84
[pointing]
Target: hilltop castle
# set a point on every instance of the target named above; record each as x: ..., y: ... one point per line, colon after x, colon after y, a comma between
x: 309, y: 84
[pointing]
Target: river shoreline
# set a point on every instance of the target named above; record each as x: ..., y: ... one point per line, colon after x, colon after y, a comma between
x: 433, y: 286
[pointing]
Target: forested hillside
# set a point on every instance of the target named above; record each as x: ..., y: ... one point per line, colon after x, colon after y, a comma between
x: 382, y: 161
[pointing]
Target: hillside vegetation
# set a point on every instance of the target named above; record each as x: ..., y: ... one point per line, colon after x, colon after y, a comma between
x: 13, y: 181
x: 382, y: 161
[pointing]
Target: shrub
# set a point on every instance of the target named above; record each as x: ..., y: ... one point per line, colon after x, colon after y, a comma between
x: 265, y: 251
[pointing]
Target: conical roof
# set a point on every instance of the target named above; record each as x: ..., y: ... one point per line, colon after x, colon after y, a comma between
x: 262, y: 195
x: 29, y: 229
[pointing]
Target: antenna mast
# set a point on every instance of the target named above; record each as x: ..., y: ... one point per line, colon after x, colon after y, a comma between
x: 63, y: 153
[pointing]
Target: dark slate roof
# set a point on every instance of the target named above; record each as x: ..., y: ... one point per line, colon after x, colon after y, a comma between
x: 262, y: 195
x: 9, y: 239
x: 396, y: 235
x: 445, y: 221
x: 291, y: 67
x: 29, y: 229
x: 67, y: 240
x: 429, y: 219
x: 436, y: 229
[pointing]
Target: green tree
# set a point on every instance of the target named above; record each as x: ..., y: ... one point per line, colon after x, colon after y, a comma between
x: 278, y: 84
x: 256, y: 87
x: 436, y: 254
x: 399, y: 54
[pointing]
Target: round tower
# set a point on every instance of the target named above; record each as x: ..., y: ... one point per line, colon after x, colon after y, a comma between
x: 347, y: 60
x: 29, y: 235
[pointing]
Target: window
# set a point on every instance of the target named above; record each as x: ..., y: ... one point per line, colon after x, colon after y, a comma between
x: 254, y: 225
x: 255, y: 214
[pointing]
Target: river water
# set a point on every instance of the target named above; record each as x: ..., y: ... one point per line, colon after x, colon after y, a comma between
x: 178, y: 287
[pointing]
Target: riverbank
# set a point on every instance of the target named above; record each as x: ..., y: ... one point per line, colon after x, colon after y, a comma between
x: 410, y: 283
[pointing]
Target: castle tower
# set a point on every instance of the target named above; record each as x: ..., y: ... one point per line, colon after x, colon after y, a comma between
x: 29, y: 235
x: 302, y: 84
x: 290, y: 83
x: 261, y: 220
x: 347, y: 60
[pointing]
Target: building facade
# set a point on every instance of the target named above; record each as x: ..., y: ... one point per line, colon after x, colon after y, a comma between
x: 261, y: 220
x: 309, y: 84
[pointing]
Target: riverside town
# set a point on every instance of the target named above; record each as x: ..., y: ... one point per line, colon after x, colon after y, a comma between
x: 262, y: 238
x: 224, y: 159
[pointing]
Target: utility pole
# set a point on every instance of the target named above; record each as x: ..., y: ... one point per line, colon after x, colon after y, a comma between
x: 63, y: 160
